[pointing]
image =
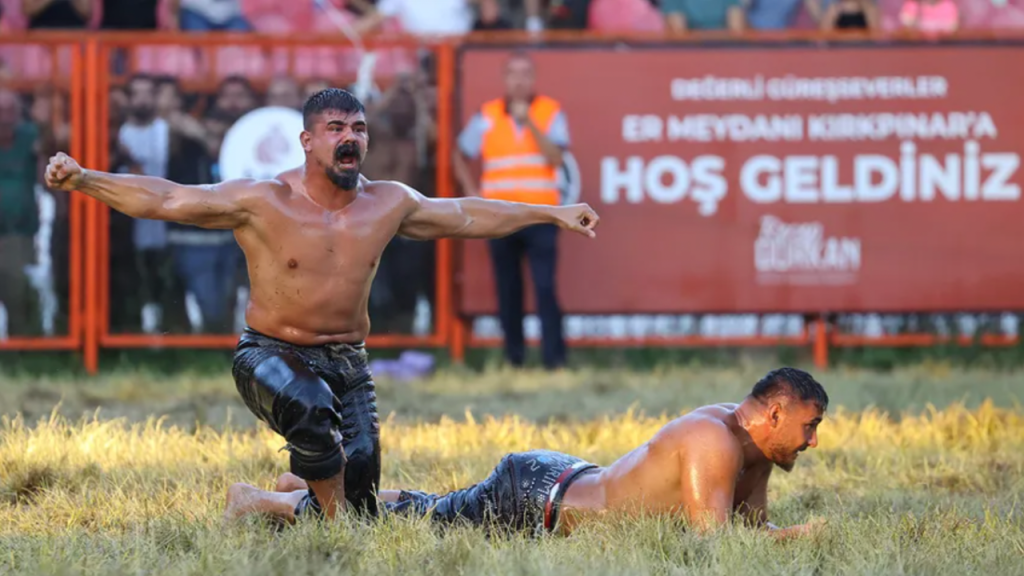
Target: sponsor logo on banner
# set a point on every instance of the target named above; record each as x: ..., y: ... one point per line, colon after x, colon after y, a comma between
x: 801, y: 253
x: 262, y: 144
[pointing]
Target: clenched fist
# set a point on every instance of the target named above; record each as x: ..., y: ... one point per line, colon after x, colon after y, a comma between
x: 63, y: 173
x: 578, y: 218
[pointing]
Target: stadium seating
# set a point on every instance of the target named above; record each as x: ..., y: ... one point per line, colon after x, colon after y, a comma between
x: 208, y: 66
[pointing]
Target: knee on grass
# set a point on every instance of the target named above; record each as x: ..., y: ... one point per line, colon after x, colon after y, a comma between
x: 309, y: 419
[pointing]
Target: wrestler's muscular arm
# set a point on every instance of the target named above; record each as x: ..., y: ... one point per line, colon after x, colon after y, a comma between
x: 710, y: 464
x: 221, y: 206
x: 431, y: 218
x: 755, y: 510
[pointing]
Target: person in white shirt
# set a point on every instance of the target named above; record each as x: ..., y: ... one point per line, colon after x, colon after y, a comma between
x: 145, y: 139
x: 434, y: 18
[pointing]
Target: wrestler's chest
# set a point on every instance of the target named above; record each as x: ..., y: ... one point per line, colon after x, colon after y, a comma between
x: 325, y: 247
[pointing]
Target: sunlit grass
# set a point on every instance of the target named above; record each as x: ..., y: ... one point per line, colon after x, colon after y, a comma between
x: 925, y: 492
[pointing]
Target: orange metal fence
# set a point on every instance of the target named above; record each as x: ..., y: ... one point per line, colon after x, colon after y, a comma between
x: 89, y: 68
x: 265, y: 50
x: 55, y: 74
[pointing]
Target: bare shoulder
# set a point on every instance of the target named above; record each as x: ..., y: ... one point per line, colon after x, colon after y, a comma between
x: 708, y: 428
x: 393, y: 192
x: 252, y: 194
x: 286, y: 182
x: 251, y: 188
x: 705, y: 431
x: 388, y: 188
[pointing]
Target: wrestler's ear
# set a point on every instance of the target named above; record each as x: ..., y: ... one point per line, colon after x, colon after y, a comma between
x: 306, y: 138
x: 775, y: 414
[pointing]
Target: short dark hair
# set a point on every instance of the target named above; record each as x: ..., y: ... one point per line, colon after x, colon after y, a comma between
x: 793, y: 382
x: 330, y: 100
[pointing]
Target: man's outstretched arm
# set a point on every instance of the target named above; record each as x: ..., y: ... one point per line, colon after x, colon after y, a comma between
x: 431, y: 218
x: 221, y: 206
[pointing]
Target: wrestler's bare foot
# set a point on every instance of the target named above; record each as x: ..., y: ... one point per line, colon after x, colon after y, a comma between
x: 289, y: 482
x: 241, y: 501
x: 244, y: 500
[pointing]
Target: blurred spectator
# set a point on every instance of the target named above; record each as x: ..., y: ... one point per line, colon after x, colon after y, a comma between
x: 117, y: 115
x: 574, y: 14
x: 235, y: 97
x: 145, y: 141
x: 777, y: 14
x: 313, y: 86
x: 426, y: 115
x: 204, y: 260
x: 168, y: 96
x: 489, y: 17
x: 211, y: 15
x: 534, y: 15
x: 284, y: 92
x: 132, y: 14
x: 171, y: 107
x: 434, y: 18
x: 19, y: 212
x: 851, y: 15
x: 358, y: 7
x: 520, y: 138
x: 683, y: 15
x: 55, y: 14
x: 930, y: 16
x: 402, y: 276
x: 122, y: 256
x: 215, y: 125
x: 623, y: 16
x: 50, y: 114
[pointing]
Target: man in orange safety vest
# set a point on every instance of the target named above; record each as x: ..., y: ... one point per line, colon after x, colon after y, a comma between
x: 519, y: 140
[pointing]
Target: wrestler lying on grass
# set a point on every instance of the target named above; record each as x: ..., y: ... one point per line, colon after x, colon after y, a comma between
x: 708, y: 465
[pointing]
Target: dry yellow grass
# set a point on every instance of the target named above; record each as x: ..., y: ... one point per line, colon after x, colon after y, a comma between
x: 929, y: 492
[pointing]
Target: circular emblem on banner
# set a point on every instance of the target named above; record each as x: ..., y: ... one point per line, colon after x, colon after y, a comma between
x: 262, y: 144
x: 569, y: 179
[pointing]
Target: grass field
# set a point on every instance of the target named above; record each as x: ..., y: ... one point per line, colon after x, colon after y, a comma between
x: 919, y: 471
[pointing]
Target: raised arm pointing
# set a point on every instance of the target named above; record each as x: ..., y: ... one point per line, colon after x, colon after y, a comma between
x: 431, y: 218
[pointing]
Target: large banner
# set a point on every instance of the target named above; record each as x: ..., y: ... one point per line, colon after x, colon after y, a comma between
x: 782, y: 180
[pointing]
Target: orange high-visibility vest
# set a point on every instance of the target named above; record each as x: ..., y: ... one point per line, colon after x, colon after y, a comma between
x: 514, y: 168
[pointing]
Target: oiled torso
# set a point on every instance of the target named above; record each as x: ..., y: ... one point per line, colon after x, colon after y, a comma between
x: 311, y: 268
x: 649, y: 478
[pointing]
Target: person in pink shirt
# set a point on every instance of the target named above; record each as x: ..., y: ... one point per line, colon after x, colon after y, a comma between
x: 930, y: 16
x: 624, y: 15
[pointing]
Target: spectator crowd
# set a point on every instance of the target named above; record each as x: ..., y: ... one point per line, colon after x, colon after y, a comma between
x: 457, y: 17
x: 169, y: 116
x: 171, y: 278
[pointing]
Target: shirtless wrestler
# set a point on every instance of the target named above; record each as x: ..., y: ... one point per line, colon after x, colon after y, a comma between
x: 312, y: 239
x: 708, y: 465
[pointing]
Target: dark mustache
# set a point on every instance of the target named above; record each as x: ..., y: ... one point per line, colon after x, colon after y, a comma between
x: 346, y: 150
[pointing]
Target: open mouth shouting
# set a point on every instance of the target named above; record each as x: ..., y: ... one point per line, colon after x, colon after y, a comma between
x: 347, y: 156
